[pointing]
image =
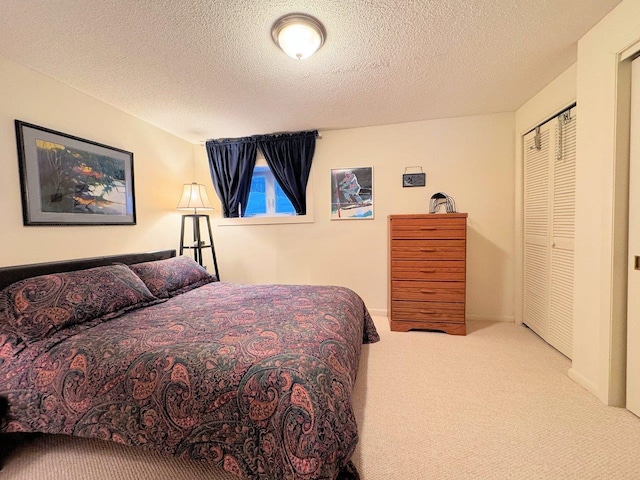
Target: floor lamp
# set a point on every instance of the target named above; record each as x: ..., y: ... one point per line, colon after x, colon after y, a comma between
x: 194, y: 196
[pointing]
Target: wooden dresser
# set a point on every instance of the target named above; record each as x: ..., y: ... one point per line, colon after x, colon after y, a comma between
x: 427, y: 272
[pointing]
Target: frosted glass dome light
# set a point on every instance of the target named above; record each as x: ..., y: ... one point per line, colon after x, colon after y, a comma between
x: 298, y: 35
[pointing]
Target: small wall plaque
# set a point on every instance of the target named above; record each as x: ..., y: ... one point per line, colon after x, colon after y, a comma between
x: 414, y: 179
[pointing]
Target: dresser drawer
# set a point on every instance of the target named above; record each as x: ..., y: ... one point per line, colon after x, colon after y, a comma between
x: 441, y: 227
x: 428, y: 249
x: 428, y: 291
x: 428, y: 311
x: 437, y: 270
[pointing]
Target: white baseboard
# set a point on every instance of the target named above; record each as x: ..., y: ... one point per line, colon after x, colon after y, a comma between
x: 583, y: 382
x: 491, y: 318
x: 379, y: 312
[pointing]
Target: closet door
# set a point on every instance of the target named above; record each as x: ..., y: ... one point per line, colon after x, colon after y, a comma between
x: 549, y: 225
x: 633, y: 299
x: 536, y: 229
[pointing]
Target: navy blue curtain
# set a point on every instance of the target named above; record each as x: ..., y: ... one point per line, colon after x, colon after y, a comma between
x: 231, y: 162
x: 289, y: 156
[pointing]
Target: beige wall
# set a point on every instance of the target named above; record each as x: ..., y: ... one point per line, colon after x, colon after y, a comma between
x: 469, y: 158
x: 600, y: 83
x: 162, y: 162
x: 601, y: 204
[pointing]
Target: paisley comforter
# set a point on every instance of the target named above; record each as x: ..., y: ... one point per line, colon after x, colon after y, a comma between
x: 255, y: 378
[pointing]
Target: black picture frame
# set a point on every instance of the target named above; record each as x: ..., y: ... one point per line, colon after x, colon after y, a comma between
x: 414, y: 180
x: 67, y: 180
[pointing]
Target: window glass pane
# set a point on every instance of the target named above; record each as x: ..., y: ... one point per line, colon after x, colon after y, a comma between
x: 257, y: 196
x: 283, y: 204
x: 266, y: 197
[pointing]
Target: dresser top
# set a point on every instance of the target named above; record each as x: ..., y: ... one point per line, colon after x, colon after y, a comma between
x: 430, y: 215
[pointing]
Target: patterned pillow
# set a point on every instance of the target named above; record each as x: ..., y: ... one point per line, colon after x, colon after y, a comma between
x: 38, y: 307
x: 173, y: 276
x: 7, y: 331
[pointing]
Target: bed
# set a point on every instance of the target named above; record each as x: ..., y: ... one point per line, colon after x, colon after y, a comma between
x: 150, y: 350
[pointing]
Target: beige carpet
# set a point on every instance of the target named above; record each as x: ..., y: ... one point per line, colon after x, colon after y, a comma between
x: 496, y: 404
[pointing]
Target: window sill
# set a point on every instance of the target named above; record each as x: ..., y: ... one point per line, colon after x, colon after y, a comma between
x: 276, y: 220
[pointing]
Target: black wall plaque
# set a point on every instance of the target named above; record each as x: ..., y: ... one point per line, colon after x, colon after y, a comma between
x: 414, y: 179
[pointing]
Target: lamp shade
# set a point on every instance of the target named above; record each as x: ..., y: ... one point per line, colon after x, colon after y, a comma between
x: 194, y: 196
x: 298, y: 35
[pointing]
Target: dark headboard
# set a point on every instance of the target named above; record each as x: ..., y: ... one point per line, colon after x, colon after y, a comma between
x: 9, y: 275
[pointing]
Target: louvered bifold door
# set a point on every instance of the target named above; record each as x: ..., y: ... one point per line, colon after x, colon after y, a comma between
x: 536, y: 230
x: 560, y: 332
x: 549, y: 225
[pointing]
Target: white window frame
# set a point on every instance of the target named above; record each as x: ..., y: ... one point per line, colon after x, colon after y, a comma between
x: 274, y: 219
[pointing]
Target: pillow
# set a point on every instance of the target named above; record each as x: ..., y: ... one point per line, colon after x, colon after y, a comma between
x: 173, y: 276
x: 7, y: 331
x: 38, y: 307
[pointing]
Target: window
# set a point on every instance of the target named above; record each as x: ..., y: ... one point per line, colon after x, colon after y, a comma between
x: 268, y: 204
x: 266, y: 197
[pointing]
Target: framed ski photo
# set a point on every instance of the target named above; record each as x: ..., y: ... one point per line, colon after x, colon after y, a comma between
x: 352, y: 193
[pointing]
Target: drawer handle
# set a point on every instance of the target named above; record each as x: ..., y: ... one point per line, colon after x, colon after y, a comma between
x: 429, y: 292
x: 427, y: 270
x: 430, y: 229
x: 427, y: 312
x: 427, y: 250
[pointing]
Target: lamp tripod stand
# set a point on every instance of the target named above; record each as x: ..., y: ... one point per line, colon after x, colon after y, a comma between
x: 194, y: 196
x: 198, y: 243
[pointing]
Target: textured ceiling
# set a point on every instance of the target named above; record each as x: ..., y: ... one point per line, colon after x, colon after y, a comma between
x: 208, y: 69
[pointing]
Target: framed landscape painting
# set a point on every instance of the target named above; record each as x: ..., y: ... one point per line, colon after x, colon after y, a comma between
x: 352, y: 193
x: 66, y: 180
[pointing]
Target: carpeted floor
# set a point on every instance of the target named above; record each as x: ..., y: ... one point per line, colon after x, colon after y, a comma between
x: 496, y: 404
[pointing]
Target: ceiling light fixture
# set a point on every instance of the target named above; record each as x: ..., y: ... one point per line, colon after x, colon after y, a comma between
x: 298, y: 35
